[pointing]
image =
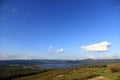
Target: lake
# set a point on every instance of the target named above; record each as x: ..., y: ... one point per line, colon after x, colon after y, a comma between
x: 59, y: 65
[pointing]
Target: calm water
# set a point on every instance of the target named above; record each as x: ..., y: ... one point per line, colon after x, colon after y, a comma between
x: 59, y: 65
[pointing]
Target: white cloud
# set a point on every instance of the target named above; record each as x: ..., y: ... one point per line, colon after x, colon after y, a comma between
x: 101, y: 56
x: 98, y: 47
x: 50, y: 49
x: 61, y: 50
x: 13, y: 56
x: 104, y: 56
x: 118, y: 54
x: 91, y: 57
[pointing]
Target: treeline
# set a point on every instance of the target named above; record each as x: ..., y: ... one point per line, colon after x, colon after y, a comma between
x: 12, y: 71
x: 12, y: 74
x: 46, y: 61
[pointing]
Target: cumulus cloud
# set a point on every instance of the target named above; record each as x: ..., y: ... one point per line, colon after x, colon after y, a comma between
x: 61, y: 50
x: 98, y: 47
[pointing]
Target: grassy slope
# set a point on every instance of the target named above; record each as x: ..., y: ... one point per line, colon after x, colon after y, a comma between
x: 74, y: 74
x: 109, y: 72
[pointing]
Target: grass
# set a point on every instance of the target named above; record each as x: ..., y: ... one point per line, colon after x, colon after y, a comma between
x: 65, y: 74
x: 81, y: 73
x: 114, y: 67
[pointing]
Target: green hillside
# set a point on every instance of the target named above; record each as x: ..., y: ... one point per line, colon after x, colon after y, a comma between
x: 109, y: 72
x: 90, y: 70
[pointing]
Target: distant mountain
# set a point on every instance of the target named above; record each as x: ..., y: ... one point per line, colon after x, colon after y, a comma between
x: 46, y: 61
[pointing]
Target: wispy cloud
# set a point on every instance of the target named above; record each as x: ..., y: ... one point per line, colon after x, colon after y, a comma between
x: 104, y: 56
x: 13, y: 56
x: 98, y: 47
x: 27, y: 13
x: 100, y: 56
x: 50, y: 49
x: 118, y: 7
x: 14, y: 10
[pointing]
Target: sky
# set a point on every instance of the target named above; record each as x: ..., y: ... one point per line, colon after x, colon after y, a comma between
x: 59, y: 29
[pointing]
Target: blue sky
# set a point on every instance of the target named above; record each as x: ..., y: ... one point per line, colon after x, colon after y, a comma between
x: 59, y: 29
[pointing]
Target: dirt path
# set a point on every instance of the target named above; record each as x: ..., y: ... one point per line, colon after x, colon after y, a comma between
x: 99, y: 78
